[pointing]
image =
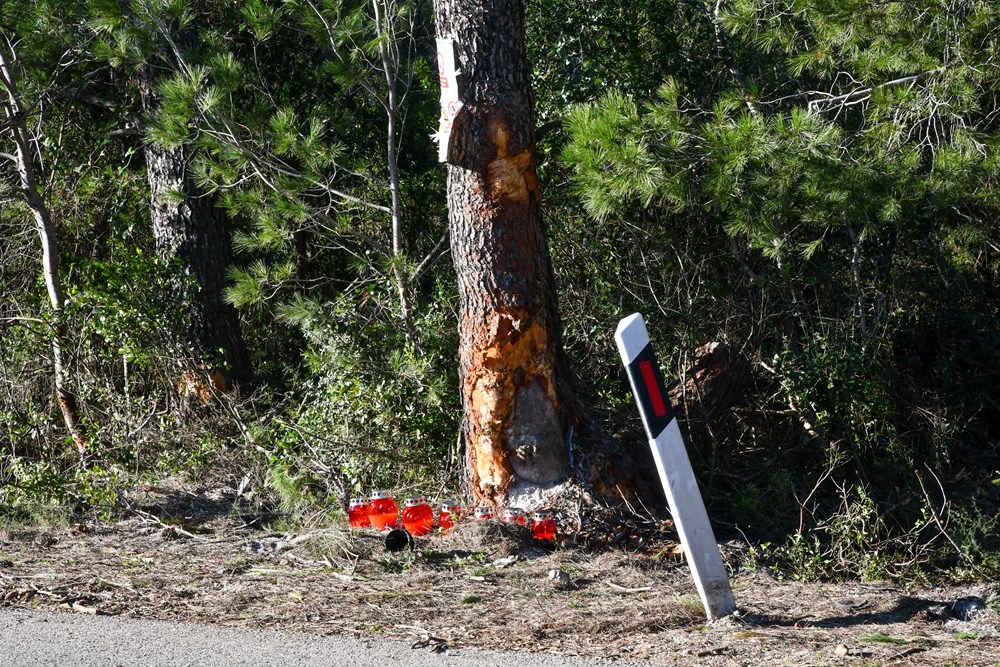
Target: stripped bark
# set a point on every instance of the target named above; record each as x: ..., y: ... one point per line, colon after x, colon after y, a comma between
x: 515, y: 408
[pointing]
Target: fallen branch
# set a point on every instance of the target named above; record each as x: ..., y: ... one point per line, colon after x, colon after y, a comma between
x: 937, y: 520
x: 155, y: 519
x: 621, y: 589
x: 909, y: 651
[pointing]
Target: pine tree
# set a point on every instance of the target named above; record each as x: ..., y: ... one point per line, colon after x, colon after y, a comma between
x: 153, y: 40
x: 849, y: 146
x: 516, y: 408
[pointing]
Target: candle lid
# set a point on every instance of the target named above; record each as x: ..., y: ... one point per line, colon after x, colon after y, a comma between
x: 355, y: 502
x: 414, y: 501
x: 380, y: 495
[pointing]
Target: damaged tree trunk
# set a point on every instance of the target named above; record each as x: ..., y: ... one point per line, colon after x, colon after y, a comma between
x: 515, y: 409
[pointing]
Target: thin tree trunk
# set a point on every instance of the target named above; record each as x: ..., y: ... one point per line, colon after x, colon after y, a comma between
x: 515, y: 409
x: 859, y: 291
x: 384, y: 31
x: 15, y: 116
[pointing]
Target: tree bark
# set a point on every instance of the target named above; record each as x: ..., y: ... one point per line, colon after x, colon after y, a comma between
x: 24, y: 158
x: 515, y: 410
x: 191, y: 233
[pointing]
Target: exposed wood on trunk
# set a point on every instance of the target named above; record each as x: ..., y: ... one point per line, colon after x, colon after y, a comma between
x: 515, y: 408
x: 15, y: 116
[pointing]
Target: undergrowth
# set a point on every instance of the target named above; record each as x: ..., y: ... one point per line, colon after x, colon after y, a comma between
x: 860, y: 541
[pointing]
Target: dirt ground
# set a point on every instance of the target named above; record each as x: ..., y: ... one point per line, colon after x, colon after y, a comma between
x: 188, y: 557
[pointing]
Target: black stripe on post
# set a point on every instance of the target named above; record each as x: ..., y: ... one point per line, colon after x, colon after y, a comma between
x: 650, y: 391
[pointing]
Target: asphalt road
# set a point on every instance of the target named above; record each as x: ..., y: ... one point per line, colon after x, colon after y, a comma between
x: 40, y: 639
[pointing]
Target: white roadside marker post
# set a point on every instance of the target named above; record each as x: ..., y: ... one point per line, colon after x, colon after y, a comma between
x: 676, y: 475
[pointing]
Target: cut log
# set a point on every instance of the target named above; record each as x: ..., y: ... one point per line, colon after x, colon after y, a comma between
x: 711, y: 385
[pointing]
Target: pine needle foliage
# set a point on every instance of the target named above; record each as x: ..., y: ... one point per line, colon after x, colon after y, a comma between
x: 844, y: 165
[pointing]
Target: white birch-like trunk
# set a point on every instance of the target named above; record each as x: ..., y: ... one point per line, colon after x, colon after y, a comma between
x: 15, y: 117
x: 384, y: 31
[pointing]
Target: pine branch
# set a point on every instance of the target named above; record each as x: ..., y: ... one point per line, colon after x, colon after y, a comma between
x: 862, y: 94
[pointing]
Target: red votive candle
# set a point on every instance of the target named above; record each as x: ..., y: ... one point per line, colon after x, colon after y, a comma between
x: 484, y: 513
x: 544, y: 526
x: 357, y: 513
x: 418, y: 517
x: 382, y: 510
x: 451, y: 511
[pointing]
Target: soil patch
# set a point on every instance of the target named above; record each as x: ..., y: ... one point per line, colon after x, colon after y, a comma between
x: 487, y: 587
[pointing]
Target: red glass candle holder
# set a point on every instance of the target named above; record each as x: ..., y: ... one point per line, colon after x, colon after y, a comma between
x: 484, y: 513
x: 451, y: 512
x: 357, y: 513
x: 543, y: 527
x: 382, y: 510
x: 515, y: 515
x: 418, y: 517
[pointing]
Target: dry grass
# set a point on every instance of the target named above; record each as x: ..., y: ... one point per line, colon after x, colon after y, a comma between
x: 485, y: 586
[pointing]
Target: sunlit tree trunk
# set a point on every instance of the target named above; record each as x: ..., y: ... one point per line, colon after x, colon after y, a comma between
x: 515, y: 409
x: 14, y: 119
x: 385, y: 31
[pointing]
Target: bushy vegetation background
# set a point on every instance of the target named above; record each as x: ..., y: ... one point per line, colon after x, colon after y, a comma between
x: 812, y: 182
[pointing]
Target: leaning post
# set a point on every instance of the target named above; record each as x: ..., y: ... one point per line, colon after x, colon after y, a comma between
x: 674, y: 466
